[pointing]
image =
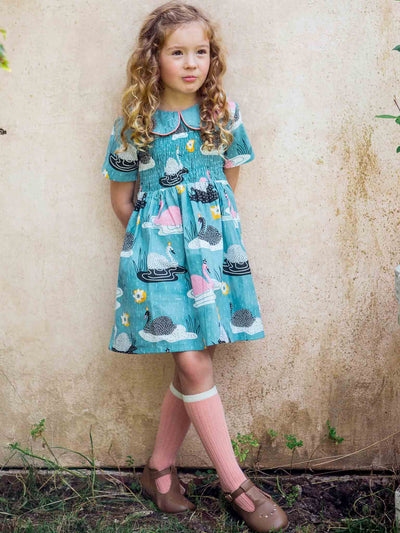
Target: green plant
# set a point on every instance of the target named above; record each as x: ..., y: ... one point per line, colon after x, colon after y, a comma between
x: 332, y: 434
x: 292, y: 496
x: 396, y: 118
x: 292, y: 443
x: 208, y: 477
x: 131, y: 462
x: 273, y: 434
x: 240, y: 446
x: 38, y: 432
x: 59, y: 489
x: 3, y: 59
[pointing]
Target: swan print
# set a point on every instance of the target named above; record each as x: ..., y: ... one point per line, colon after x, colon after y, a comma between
x: 230, y: 212
x: 168, y: 220
x: 163, y: 328
x: 184, y: 279
x: 124, y: 161
x: 145, y: 160
x: 242, y: 147
x: 242, y: 321
x: 208, y: 236
x: 118, y: 294
x: 160, y: 267
x: 127, y: 245
x: 122, y: 342
x: 203, y: 287
x: 236, y: 262
x: 173, y: 172
x: 203, y: 190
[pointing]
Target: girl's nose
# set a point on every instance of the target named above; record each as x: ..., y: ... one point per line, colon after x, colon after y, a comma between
x: 190, y: 61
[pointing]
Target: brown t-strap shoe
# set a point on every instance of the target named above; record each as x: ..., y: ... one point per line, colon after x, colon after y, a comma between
x: 267, y: 516
x: 170, y: 502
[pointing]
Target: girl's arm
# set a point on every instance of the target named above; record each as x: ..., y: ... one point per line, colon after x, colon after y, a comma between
x: 123, y: 197
x: 232, y: 175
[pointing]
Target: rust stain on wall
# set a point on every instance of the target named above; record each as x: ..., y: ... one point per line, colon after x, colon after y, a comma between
x: 362, y: 177
x: 360, y: 164
x: 386, y: 30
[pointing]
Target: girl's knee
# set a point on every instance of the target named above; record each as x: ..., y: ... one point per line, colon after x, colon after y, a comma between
x: 193, y: 366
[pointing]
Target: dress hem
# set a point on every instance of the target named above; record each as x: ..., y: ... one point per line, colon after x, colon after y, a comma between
x: 260, y: 335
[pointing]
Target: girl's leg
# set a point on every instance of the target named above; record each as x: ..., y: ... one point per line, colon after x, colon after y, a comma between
x: 176, y: 381
x: 173, y: 427
x: 204, y: 407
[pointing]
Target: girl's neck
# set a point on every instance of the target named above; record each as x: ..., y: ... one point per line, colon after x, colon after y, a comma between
x: 169, y: 103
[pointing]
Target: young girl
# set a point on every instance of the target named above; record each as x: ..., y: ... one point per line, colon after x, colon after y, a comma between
x: 184, y: 282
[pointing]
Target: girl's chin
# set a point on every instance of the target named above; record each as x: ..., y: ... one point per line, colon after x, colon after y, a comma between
x: 185, y: 90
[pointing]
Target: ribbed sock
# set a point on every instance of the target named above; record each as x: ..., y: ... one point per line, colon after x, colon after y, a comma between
x: 172, y: 429
x: 206, y: 412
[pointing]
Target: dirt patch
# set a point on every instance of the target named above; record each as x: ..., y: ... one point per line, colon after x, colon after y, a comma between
x: 313, y: 502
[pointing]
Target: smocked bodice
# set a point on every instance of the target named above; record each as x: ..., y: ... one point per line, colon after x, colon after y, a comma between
x: 176, y: 155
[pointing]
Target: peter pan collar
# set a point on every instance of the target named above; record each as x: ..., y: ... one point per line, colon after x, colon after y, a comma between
x: 166, y: 122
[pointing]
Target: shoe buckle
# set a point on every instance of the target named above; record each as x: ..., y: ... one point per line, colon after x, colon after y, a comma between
x: 228, y: 497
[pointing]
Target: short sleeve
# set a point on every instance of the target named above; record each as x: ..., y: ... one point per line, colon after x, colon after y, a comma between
x: 240, y: 151
x: 124, y: 165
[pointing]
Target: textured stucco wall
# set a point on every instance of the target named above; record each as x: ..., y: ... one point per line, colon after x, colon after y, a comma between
x: 320, y: 213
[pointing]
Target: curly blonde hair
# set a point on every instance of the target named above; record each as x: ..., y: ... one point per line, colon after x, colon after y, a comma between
x: 141, y: 95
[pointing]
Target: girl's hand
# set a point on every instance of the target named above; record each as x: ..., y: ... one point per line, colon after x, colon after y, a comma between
x: 122, y: 199
x: 232, y: 175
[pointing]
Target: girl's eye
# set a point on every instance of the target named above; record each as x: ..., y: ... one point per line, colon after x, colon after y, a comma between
x: 202, y: 51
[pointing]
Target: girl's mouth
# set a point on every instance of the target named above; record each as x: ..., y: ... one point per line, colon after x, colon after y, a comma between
x: 190, y: 78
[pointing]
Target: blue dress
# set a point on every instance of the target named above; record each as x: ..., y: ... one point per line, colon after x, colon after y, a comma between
x: 184, y: 279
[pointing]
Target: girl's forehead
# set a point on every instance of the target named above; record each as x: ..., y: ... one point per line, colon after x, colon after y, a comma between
x: 189, y: 33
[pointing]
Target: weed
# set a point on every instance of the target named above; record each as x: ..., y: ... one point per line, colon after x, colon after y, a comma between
x: 130, y: 462
x: 71, y: 500
x: 361, y: 525
x: 240, y: 446
x: 207, y: 477
x: 292, y: 443
x: 273, y: 434
x: 292, y: 496
x: 332, y: 434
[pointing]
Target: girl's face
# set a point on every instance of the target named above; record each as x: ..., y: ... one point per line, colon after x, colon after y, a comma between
x: 184, y: 62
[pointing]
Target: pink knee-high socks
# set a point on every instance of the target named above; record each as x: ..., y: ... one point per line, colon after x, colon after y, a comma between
x: 172, y: 429
x: 206, y: 412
